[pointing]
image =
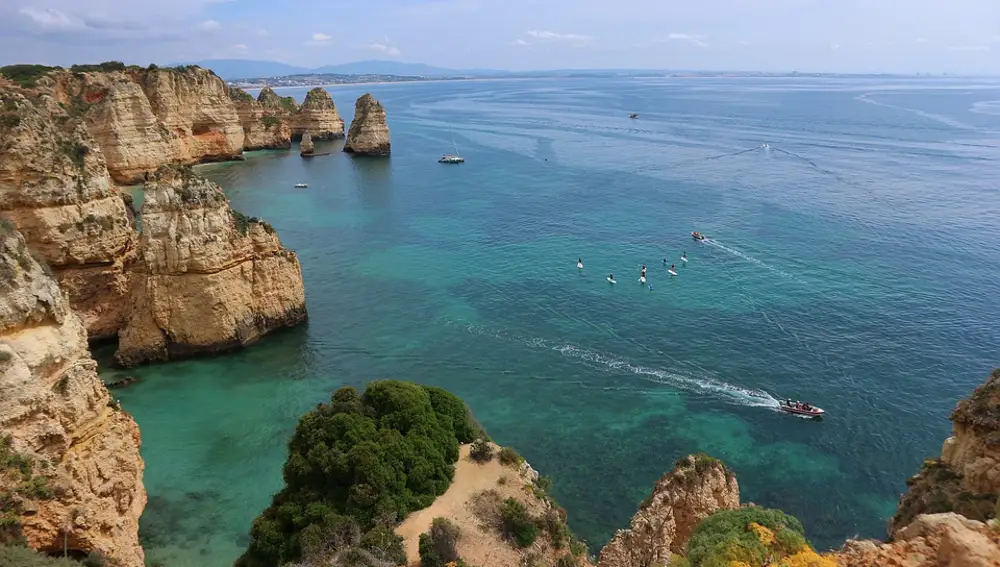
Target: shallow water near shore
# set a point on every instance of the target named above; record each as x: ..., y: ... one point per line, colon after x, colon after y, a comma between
x: 853, y: 263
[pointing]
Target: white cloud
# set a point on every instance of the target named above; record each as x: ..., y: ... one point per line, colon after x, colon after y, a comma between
x: 385, y: 46
x: 548, y: 35
x: 692, y: 38
x: 969, y: 48
x: 320, y: 39
x: 208, y: 25
x: 835, y: 46
x: 261, y: 32
x: 519, y: 42
x: 50, y: 18
x: 239, y: 47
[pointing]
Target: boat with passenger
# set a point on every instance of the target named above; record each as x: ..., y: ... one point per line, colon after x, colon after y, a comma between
x: 697, y: 235
x: 801, y: 408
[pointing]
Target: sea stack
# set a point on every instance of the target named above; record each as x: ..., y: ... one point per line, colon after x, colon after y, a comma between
x: 79, y: 488
x: 318, y: 115
x: 306, y: 146
x: 208, y: 278
x: 369, y: 134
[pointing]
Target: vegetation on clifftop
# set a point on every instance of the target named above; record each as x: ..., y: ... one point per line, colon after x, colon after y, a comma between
x: 18, y: 483
x: 981, y: 410
x: 359, y: 464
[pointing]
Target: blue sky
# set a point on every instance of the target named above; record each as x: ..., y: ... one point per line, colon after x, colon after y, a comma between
x: 957, y: 36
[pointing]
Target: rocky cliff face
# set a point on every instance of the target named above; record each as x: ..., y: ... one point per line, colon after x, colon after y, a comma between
x: 263, y: 127
x: 697, y: 487
x: 59, y: 415
x: 306, y: 145
x: 937, y: 540
x: 146, y: 118
x: 54, y: 186
x: 318, y: 115
x: 369, y: 134
x: 966, y: 479
x: 207, y: 279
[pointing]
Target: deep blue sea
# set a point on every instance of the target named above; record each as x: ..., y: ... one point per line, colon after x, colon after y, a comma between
x: 853, y: 263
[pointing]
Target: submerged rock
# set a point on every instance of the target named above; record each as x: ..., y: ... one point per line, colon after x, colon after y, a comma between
x: 208, y: 278
x: 369, y: 134
x: 84, y: 450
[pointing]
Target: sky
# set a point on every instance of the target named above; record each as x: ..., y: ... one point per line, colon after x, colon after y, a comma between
x: 905, y: 36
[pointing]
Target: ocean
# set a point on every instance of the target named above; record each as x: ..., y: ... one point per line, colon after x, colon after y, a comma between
x: 854, y: 263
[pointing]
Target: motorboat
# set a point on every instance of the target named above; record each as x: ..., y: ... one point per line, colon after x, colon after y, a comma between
x: 800, y: 408
x: 301, y: 185
x: 697, y: 235
x: 451, y: 158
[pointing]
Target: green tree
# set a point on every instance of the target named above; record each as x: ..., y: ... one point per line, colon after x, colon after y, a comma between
x: 736, y: 535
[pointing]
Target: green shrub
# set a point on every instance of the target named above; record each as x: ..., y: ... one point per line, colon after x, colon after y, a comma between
x: 269, y: 120
x: 243, y: 222
x: 678, y: 561
x: 567, y: 560
x: 441, y: 544
x: 508, y: 456
x: 517, y: 523
x: 726, y: 536
x: 577, y: 547
x: 384, y: 453
x: 481, y: 451
x: 428, y: 553
x: 19, y: 556
x: 106, y: 66
x: 26, y: 75
x: 554, y: 523
x: 384, y: 544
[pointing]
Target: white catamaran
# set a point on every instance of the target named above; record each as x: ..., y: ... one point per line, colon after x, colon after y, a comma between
x: 452, y: 158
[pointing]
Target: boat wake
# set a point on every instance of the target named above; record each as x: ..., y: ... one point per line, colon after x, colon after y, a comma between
x: 750, y: 258
x: 729, y: 393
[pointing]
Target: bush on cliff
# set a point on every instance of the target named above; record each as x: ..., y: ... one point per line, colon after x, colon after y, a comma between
x: 365, y: 460
x: 481, y: 451
x: 754, y: 537
x: 439, y: 546
x: 26, y: 75
x: 17, y: 556
x: 517, y: 523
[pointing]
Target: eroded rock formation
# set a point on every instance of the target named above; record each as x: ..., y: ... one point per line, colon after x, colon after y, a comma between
x: 59, y: 415
x: 697, y: 487
x: 369, y: 134
x: 936, y: 540
x: 263, y: 127
x: 966, y: 479
x: 306, y: 145
x: 146, y: 118
x: 318, y: 115
x: 208, y: 278
x: 54, y: 186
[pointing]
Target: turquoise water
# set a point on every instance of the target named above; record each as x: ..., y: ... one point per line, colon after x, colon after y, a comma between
x: 854, y: 263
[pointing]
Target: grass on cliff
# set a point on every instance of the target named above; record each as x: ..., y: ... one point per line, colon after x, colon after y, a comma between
x: 26, y: 75
x: 752, y: 537
x: 358, y: 464
x: 243, y: 223
x: 18, y: 556
x: 18, y: 483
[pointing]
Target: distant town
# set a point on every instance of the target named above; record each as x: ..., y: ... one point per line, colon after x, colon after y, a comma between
x: 314, y: 79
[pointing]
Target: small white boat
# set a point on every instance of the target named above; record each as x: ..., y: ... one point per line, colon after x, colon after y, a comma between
x: 301, y: 185
x: 452, y: 158
x: 799, y: 408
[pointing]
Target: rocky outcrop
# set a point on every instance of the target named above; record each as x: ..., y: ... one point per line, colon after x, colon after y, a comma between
x: 966, y: 479
x: 937, y: 540
x: 146, y: 118
x: 697, y: 487
x: 318, y: 115
x: 60, y: 417
x: 306, y: 145
x: 369, y: 134
x: 273, y: 102
x: 54, y: 187
x: 208, y: 278
x: 263, y: 128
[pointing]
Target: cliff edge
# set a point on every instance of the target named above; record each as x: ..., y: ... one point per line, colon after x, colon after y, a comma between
x: 76, y: 476
x: 369, y: 133
x: 698, y: 486
x: 208, y: 278
x: 55, y: 188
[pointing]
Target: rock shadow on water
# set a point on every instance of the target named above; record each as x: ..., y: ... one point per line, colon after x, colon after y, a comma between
x: 183, y: 521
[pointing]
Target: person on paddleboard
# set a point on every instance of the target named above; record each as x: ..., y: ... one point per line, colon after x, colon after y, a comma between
x: 664, y: 261
x: 643, y: 273
x: 684, y: 256
x: 579, y: 262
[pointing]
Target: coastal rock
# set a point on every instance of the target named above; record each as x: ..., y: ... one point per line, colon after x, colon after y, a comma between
x: 272, y: 101
x: 263, y: 128
x: 936, y: 540
x: 208, y: 278
x: 966, y: 479
x: 58, y: 413
x: 306, y: 145
x: 146, y: 118
x: 697, y: 487
x: 369, y: 134
x: 318, y: 115
x: 55, y: 188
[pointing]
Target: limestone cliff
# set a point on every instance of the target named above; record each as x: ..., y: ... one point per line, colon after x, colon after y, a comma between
x: 697, y: 487
x: 54, y: 186
x: 306, y: 145
x: 263, y: 128
x: 318, y: 115
x: 369, y: 134
x: 60, y: 417
x: 208, y: 278
x: 936, y: 540
x: 146, y: 118
x: 966, y: 479
x: 272, y: 101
